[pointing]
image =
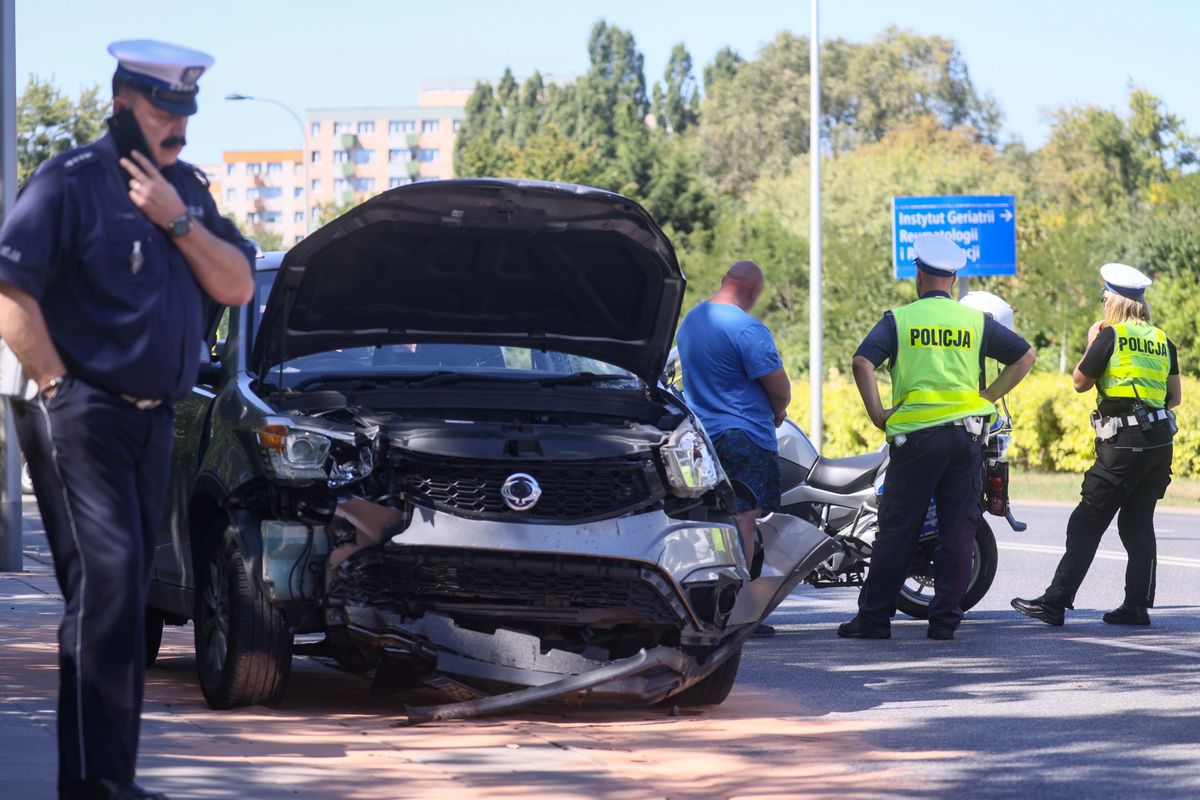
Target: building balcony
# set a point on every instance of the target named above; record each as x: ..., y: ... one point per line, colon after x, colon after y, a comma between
x: 412, y: 140
x: 349, y: 141
x: 348, y: 169
x: 347, y: 198
x: 413, y: 168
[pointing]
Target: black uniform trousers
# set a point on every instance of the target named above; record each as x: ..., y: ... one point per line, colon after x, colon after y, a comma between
x: 99, y: 467
x: 1131, y: 474
x: 944, y: 463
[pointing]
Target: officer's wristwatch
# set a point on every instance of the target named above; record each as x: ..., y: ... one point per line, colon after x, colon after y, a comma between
x: 180, y: 226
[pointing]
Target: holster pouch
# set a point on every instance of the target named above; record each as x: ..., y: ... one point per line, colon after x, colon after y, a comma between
x: 1105, y: 428
x: 977, y: 427
x: 1172, y: 422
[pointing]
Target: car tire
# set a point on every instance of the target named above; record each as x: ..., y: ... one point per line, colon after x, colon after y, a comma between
x: 154, y: 634
x: 713, y: 689
x: 243, y: 643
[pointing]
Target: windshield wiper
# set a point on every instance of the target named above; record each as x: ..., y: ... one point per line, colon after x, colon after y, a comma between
x: 578, y: 378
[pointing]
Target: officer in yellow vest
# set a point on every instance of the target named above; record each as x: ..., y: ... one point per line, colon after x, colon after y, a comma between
x: 936, y: 348
x: 1135, y: 370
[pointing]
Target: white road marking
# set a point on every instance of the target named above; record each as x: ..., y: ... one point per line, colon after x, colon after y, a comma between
x: 1131, y: 646
x: 1111, y: 555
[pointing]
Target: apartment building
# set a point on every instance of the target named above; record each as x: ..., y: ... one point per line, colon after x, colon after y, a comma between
x: 262, y: 189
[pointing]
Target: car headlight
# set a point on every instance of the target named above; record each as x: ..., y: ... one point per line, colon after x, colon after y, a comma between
x: 293, y: 454
x: 691, y: 466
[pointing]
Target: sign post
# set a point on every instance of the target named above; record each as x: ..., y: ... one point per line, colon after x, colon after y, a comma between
x: 984, y: 225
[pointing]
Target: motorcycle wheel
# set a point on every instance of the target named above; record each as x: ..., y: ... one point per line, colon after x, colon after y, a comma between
x: 917, y: 591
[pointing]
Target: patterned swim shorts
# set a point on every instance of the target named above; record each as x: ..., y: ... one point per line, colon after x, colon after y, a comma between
x: 750, y: 464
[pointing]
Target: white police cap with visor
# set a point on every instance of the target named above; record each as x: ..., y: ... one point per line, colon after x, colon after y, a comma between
x: 938, y: 255
x: 1125, y: 280
x: 165, y: 73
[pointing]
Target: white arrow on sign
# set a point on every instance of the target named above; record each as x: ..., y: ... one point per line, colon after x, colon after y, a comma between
x: 1006, y: 215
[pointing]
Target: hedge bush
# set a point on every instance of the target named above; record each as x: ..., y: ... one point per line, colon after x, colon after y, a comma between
x: 1051, y: 431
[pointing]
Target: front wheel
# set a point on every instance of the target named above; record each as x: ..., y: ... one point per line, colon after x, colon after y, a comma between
x: 243, y: 643
x: 917, y: 592
x: 713, y: 688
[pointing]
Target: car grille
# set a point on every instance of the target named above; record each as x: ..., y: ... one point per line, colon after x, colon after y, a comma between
x: 548, y: 587
x: 570, y: 490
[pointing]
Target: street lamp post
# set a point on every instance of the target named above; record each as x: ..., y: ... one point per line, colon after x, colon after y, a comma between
x: 303, y: 148
x: 816, y: 367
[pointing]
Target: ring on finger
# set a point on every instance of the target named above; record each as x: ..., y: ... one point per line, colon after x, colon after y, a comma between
x: 135, y: 185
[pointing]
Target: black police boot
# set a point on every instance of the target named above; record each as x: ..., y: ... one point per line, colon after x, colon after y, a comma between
x: 1039, y: 608
x: 943, y: 634
x: 104, y: 789
x: 1128, y: 615
x: 854, y: 629
x: 763, y: 631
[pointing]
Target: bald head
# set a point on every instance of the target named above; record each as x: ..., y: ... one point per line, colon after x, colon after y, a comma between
x: 741, y: 286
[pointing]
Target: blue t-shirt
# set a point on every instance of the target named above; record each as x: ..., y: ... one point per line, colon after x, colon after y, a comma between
x: 723, y: 352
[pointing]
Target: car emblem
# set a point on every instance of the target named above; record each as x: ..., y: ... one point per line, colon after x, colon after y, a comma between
x: 520, y: 491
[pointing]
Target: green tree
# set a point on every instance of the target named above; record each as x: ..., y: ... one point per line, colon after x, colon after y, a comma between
x: 677, y: 100
x: 724, y: 66
x: 50, y: 122
x: 549, y: 156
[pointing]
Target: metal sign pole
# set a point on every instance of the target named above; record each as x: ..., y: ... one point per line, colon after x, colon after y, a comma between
x: 816, y: 369
x: 10, y: 454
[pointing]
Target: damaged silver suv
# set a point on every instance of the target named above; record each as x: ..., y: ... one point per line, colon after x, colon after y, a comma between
x: 438, y: 437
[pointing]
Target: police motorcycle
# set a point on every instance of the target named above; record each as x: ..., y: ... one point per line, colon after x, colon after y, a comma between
x: 841, y: 497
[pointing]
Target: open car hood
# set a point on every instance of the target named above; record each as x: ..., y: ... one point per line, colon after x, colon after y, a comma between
x: 513, y: 263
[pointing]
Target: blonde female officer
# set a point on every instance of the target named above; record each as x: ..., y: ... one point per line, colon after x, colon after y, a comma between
x: 1135, y: 370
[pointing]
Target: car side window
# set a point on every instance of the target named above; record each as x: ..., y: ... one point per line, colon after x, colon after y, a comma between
x: 216, y: 341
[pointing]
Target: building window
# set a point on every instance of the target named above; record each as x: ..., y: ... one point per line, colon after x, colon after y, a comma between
x: 429, y: 126
x: 254, y: 169
x: 366, y: 126
x: 426, y: 179
x: 397, y: 182
x: 315, y: 129
x: 297, y: 239
x: 340, y: 156
x: 402, y: 126
x: 315, y: 157
x: 269, y: 217
x: 364, y: 156
x: 252, y: 218
x: 229, y: 168
x: 298, y: 216
x: 340, y: 185
x: 314, y: 213
x: 297, y: 191
x: 297, y: 167
x: 230, y: 195
x: 428, y: 155
x: 316, y: 185
x: 252, y: 194
x: 457, y: 125
x: 399, y: 156
x: 274, y: 168
x: 341, y: 127
x: 271, y: 192
x: 364, y: 184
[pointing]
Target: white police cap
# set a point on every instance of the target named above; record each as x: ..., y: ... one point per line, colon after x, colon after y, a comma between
x: 938, y: 255
x: 1125, y: 280
x: 165, y: 73
x: 989, y: 303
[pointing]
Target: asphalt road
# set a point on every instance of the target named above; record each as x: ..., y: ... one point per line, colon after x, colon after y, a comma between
x: 1010, y: 709
x: 1086, y: 710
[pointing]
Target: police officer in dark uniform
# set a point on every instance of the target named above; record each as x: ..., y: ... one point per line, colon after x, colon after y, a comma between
x: 108, y: 262
x: 936, y: 350
x: 1135, y: 370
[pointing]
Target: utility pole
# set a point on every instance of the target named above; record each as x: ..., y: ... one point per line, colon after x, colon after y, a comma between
x: 816, y: 369
x: 10, y: 453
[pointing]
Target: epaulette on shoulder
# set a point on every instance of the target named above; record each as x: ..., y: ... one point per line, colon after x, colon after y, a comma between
x: 79, y: 158
x: 199, y: 173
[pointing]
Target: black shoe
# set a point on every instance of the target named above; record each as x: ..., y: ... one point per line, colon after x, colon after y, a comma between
x: 1128, y: 615
x: 1038, y: 608
x: 944, y: 634
x: 104, y: 789
x: 854, y: 629
x: 763, y: 631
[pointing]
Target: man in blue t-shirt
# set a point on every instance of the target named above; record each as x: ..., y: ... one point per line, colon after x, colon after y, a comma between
x: 733, y: 378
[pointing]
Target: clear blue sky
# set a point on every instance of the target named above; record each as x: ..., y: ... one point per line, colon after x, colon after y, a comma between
x: 1031, y: 54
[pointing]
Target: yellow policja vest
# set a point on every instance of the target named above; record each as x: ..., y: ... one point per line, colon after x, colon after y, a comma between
x: 937, y: 369
x: 1140, y: 359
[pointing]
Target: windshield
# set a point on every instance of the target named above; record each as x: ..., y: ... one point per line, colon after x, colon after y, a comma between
x: 426, y: 358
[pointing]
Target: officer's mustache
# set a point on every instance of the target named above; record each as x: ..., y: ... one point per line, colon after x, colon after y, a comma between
x: 171, y: 142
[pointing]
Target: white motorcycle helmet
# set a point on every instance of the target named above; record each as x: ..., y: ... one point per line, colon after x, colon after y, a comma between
x: 989, y: 303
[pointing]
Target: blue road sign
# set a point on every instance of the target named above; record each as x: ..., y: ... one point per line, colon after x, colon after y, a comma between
x: 985, y: 225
